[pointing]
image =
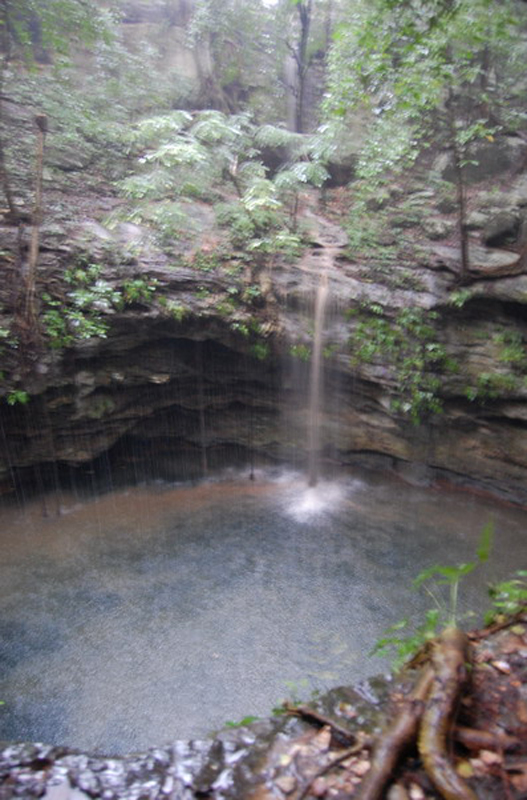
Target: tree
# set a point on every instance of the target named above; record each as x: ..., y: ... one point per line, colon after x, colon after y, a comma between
x: 300, y: 55
x: 233, y: 48
x: 217, y: 157
x: 33, y: 32
x: 309, y: 27
x: 421, y: 73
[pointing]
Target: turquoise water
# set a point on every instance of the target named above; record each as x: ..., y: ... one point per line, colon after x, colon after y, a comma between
x: 162, y: 612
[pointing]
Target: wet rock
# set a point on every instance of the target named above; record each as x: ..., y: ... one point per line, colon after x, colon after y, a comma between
x: 286, y: 783
x: 476, y: 220
x: 487, y: 159
x: 437, y: 228
x: 519, y: 192
x: 64, y: 791
x: 74, y: 157
x: 447, y: 204
x: 483, y: 261
x: 500, y: 229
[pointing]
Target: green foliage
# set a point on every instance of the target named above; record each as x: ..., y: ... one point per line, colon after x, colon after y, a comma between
x: 365, y: 231
x: 161, y: 127
x: 459, y: 297
x: 64, y: 325
x: 239, y: 39
x: 139, y: 290
x: 210, y: 154
x: 451, y: 576
x: 34, y: 29
x: 420, y: 74
x: 202, y: 293
x: 277, y: 136
x: 512, y: 349
x: 408, y: 346
x: 18, y: 397
x: 90, y: 109
x: 491, y: 386
x: 402, y: 646
x: 433, y: 580
x: 301, y: 351
x: 80, y: 313
x: 206, y: 260
x: 510, y: 352
x: 260, y: 350
x: 251, y: 294
x: 174, y: 309
x: 508, y: 597
x: 242, y: 723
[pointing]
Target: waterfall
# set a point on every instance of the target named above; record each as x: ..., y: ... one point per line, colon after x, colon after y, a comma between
x: 315, y: 383
x: 201, y: 411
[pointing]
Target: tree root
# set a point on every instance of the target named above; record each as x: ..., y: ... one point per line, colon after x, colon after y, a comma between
x: 338, y: 732
x: 425, y: 719
x: 427, y: 715
x: 350, y: 751
x: 399, y: 734
x: 449, y: 658
x: 520, y: 616
x: 474, y: 739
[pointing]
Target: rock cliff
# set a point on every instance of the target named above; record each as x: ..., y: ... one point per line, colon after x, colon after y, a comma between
x: 195, y: 375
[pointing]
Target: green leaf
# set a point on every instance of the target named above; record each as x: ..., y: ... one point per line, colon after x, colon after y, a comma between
x: 485, y: 542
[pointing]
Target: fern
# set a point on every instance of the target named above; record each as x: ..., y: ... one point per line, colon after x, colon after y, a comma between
x: 164, y: 126
x: 213, y: 127
x: 273, y: 136
x: 180, y: 152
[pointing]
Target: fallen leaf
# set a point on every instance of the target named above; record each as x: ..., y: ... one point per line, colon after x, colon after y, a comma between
x: 521, y: 710
x: 286, y: 784
x: 465, y: 769
x: 347, y: 710
x: 397, y: 792
x: 323, y: 739
x: 502, y: 666
x: 318, y: 787
x: 488, y: 757
x: 477, y: 765
x: 511, y: 645
x: 484, y: 655
x: 415, y: 792
x: 361, y: 767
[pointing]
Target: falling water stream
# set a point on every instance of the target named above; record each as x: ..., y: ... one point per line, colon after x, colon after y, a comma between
x: 163, y: 611
x: 316, y: 382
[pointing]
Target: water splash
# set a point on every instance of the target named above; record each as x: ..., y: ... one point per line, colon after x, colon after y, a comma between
x: 315, y: 501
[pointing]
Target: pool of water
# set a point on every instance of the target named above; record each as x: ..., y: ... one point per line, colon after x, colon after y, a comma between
x: 162, y: 612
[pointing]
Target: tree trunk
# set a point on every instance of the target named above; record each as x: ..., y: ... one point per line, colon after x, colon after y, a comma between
x: 30, y: 311
x: 304, y: 13
x: 459, y: 177
x: 5, y: 49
